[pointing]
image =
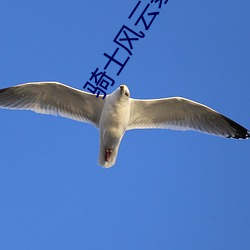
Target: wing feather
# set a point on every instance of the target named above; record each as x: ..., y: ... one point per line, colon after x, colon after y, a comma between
x: 53, y: 98
x: 182, y: 114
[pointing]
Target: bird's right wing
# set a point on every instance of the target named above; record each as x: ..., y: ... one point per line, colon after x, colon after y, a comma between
x: 182, y: 114
x: 53, y: 98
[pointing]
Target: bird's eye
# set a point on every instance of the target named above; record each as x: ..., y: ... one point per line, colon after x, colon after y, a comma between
x: 126, y: 93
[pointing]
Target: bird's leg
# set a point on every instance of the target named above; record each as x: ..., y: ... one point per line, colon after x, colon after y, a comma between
x: 108, y: 154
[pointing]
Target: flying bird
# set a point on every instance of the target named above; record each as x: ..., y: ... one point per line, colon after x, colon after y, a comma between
x: 117, y: 113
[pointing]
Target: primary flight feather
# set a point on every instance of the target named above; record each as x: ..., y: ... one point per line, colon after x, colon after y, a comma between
x: 117, y: 113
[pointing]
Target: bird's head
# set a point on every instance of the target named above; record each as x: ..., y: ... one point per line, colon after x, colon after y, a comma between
x: 121, y: 94
x: 124, y: 91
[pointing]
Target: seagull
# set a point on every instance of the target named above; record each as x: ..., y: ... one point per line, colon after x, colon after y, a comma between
x: 117, y: 113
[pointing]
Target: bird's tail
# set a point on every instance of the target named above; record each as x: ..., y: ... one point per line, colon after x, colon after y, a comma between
x: 103, y: 160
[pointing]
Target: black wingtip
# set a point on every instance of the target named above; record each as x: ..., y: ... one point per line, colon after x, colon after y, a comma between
x: 248, y: 134
x: 239, y: 131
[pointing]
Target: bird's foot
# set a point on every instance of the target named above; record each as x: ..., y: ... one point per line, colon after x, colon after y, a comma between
x: 108, y: 154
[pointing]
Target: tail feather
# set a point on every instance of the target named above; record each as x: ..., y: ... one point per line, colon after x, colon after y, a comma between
x: 101, y: 159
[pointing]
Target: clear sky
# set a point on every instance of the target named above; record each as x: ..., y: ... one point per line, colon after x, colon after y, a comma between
x: 168, y: 189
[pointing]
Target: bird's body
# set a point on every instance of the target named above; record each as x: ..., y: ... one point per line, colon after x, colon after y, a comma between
x: 113, y: 124
x: 117, y: 113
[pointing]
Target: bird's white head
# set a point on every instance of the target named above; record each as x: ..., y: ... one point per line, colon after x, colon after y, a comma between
x: 121, y: 94
x: 124, y: 91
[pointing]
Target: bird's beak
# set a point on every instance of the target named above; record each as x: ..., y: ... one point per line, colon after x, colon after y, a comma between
x: 122, y: 88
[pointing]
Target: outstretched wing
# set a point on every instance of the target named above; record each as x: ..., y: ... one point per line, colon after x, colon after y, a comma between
x: 182, y: 114
x: 55, y: 99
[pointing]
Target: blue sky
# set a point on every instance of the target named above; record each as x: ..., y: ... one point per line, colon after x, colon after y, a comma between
x: 168, y: 189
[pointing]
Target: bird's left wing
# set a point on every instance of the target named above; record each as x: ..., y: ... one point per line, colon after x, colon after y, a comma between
x: 182, y: 114
x: 53, y: 98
